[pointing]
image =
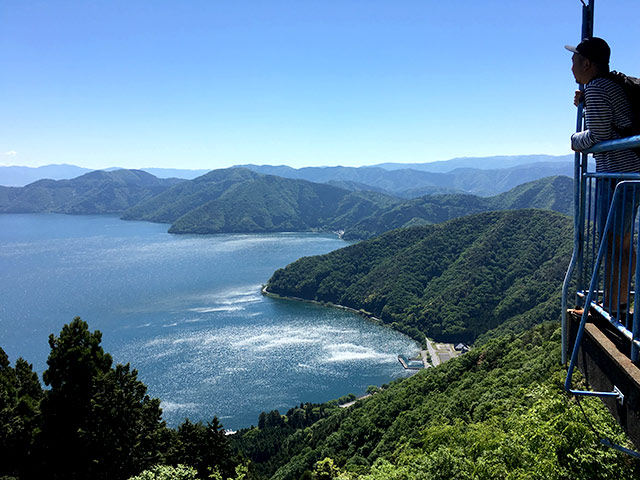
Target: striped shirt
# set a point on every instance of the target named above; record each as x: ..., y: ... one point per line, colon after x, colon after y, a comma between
x: 606, y: 108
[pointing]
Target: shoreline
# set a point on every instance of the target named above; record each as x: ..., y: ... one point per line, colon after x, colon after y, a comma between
x: 438, y: 352
x: 361, y: 312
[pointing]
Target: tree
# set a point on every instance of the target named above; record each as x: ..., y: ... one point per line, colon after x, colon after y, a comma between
x: 165, y: 472
x: 20, y: 393
x: 325, y: 470
x: 205, y: 447
x: 97, y: 422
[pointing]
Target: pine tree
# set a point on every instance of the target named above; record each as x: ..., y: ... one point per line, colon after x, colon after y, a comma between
x: 97, y: 421
x: 20, y: 392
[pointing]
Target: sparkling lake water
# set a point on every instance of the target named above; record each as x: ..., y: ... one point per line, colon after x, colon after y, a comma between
x: 186, y: 311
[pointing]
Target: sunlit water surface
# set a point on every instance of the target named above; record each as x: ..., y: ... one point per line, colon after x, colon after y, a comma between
x: 187, y: 313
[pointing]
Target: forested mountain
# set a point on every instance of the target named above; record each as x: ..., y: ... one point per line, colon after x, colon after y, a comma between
x: 275, y: 204
x: 238, y: 200
x: 189, y: 195
x: 497, y: 412
x: 475, y: 175
x: 552, y: 193
x: 453, y: 281
x: 410, y: 183
x: 92, y: 193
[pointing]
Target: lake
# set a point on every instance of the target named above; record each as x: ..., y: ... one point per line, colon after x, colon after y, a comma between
x: 186, y: 311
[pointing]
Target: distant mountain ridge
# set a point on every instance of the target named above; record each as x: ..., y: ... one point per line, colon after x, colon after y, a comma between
x: 95, y: 192
x: 410, y: 183
x: 485, y: 163
x: 238, y: 200
x: 488, y: 176
x: 17, y: 176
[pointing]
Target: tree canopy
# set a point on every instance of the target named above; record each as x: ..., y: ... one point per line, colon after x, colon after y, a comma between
x: 95, y: 420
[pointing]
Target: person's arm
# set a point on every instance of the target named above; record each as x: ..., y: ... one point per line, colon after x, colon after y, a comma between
x: 599, y: 119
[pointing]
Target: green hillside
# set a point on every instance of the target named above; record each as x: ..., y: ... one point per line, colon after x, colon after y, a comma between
x: 238, y: 200
x: 453, y: 281
x: 187, y: 196
x: 497, y: 412
x: 96, y: 192
x: 551, y: 193
x: 275, y: 204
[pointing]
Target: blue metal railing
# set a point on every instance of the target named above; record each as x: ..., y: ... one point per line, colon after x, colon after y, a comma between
x: 604, y: 268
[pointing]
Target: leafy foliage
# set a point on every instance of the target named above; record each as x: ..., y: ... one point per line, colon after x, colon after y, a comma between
x: 263, y: 445
x: 20, y: 394
x: 166, y: 472
x: 498, y: 411
x: 96, y: 420
x: 203, y: 447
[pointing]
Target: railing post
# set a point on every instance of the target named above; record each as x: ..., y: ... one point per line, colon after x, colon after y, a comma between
x: 580, y: 167
x: 635, y: 328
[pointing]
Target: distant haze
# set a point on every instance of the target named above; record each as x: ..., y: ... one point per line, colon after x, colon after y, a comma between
x: 18, y: 176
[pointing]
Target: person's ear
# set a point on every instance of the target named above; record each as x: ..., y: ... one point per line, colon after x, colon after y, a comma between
x: 587, y: 64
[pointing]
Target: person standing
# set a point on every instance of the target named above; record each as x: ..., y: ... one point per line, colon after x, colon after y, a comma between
x: 607, y: 113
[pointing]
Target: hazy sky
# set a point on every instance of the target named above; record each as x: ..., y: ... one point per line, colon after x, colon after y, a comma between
x: 210, y: 84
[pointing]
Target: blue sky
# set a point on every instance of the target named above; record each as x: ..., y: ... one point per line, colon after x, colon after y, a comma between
x: 210, y: 84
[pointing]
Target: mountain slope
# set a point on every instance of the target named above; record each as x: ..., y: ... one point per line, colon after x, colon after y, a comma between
x: 453, y: 281
x: 92, y: 193
x: 272, y: 204
x: 410, y: 183
x: 553, y: 193
x: 188, y: 195
x: 239, y: 200
x: 496, y: 412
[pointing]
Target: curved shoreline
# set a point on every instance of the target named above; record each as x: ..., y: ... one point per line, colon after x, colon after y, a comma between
x: 361, y: 312
x: 430, y: 351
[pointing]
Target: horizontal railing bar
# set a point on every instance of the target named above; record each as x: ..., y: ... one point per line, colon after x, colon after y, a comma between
x: 583, y: 294
x: 619, y: 144
x: 589, y: 393
x: 615, y: 323
x: 617, y: 176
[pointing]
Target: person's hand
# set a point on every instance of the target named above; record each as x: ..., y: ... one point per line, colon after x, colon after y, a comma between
x: 577, y: 98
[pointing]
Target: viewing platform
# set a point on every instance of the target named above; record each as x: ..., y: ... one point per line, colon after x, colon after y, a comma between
x: 604, y: 362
